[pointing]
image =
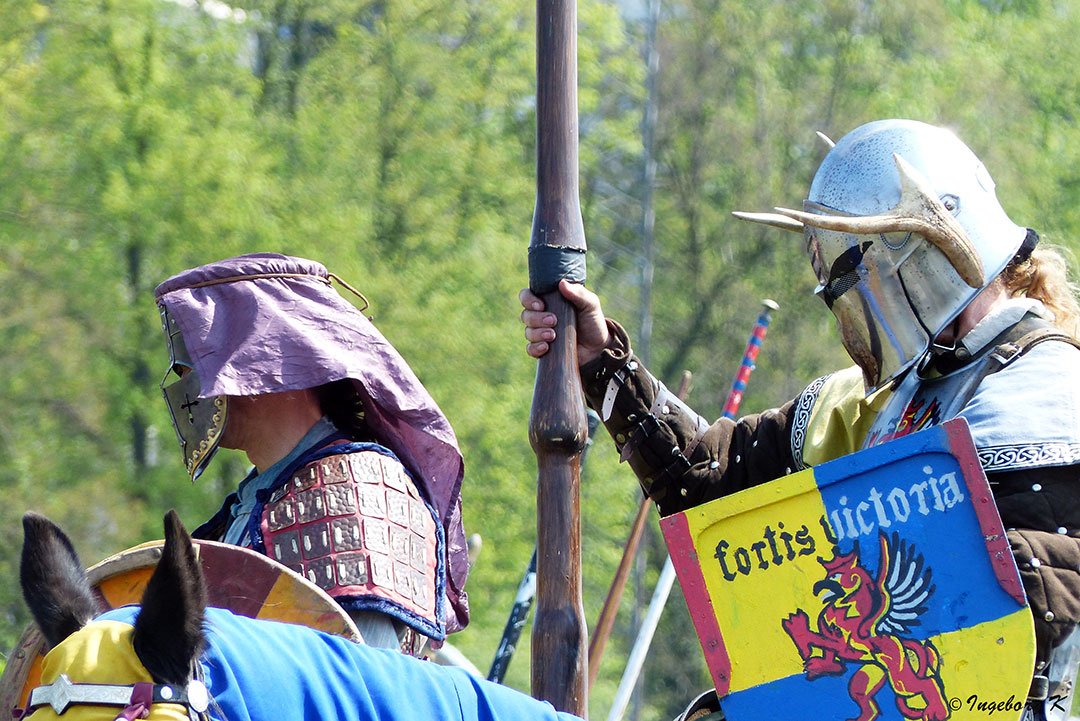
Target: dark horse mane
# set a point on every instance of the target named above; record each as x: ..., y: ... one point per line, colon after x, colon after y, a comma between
x: 168, y: 632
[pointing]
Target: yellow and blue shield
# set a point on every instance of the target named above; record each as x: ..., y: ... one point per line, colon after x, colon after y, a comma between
x: 876, y: 586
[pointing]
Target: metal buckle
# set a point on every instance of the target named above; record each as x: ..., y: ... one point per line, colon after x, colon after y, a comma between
x: 645, y: 428
x: 1006, y: 353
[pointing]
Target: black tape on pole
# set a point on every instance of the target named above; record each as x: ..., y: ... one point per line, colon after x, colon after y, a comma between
x: 548, y: 264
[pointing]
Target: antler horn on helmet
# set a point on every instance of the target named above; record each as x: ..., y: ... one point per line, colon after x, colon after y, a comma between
x: 774, y: 219
x: 918, y: 211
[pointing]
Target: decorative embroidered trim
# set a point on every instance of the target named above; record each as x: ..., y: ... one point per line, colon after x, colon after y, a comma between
x: 1028, y: 455
x: 802, y: 411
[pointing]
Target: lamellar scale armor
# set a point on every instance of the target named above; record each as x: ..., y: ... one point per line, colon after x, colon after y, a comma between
x: 354, y: 524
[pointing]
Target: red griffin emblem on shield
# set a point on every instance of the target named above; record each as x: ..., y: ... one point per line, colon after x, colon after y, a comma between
x: 860, y: 622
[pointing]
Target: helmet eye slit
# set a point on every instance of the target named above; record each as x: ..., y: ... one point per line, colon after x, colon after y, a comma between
x: 838, y: 286
x: 844, y: 273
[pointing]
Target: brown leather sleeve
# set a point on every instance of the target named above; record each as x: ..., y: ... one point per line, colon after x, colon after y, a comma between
x: 1040, y: 507
x: 681, y: 460
x: 1049, y: 564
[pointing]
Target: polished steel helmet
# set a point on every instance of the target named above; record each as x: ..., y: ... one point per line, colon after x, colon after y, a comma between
x: 903, y: 229
x: 199, y: 422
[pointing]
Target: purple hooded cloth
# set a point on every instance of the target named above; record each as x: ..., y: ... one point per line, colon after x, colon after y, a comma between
x: 267, y: 323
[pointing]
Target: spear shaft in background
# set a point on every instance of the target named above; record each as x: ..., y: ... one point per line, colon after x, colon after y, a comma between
x: 757, y: 337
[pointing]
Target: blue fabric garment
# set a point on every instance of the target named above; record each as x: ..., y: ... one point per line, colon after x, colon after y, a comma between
x: 264, y: 670
x: 1010, y: 418
x: 255, y: 481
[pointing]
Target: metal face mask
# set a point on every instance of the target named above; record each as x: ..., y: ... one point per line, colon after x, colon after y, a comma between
x: 903, y: 229
x: 199, y: 422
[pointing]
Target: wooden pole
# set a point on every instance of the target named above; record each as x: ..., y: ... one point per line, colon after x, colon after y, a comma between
x: 557, y: 424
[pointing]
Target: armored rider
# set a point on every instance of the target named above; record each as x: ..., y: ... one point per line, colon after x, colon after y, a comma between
x: 357, y: 473
x: 947, y: 308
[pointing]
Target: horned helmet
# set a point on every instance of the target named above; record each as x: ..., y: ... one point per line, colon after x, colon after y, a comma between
x: 903, y: 229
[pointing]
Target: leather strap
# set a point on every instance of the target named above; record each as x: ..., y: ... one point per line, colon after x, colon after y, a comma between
x: 1010, y: 349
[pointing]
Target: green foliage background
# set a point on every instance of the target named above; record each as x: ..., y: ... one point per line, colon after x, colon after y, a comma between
x: 394, y: 141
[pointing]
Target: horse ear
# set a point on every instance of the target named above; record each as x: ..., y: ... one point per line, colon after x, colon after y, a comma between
x: 53, y: 581
x: 168, y: 631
